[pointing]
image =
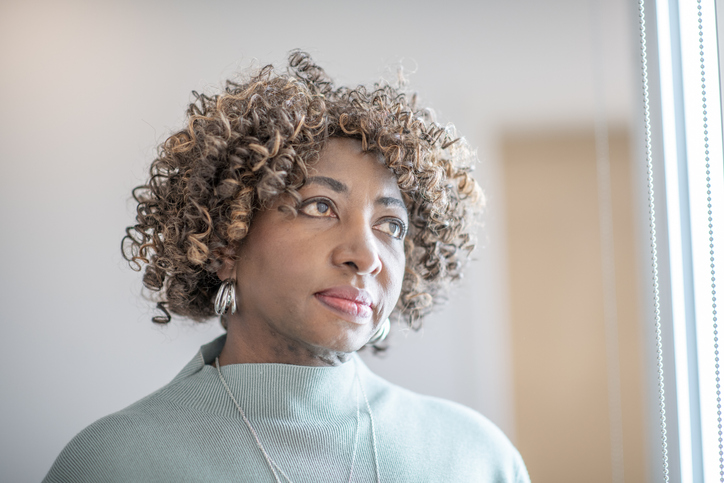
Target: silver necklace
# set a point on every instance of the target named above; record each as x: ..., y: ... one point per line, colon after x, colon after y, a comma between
x: 272, y: 464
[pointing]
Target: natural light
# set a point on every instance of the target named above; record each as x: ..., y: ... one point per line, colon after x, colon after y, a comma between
x: 688, y: 94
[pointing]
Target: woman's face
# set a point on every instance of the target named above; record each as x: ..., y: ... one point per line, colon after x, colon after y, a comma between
x: 319, y: 284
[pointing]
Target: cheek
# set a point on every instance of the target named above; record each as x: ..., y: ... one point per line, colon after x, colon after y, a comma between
x: 395, y: 276
x: 284, y: 263
x: 276, y: 266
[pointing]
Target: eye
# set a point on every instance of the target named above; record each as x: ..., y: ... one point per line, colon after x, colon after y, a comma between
x: 394, y: 228
x: 319, y: 208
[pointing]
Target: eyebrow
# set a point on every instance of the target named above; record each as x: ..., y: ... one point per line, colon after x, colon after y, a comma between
x: 390, y: 201
x: 330, y: 183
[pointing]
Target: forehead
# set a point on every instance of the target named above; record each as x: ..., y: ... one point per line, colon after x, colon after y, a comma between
x: 343, y: 159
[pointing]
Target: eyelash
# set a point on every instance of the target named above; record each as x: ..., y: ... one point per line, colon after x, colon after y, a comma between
x: 310, y: 202
x: 400, y: 225
x: 330, y: 206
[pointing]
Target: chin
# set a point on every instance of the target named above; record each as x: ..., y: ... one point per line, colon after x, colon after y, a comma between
x: 339, y: 343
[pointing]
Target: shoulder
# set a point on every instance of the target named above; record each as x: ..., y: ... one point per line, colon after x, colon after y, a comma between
x: 433, y: 413
x: 123, y: 446
x: 107, y: 450
x: 462, y: 427
x: 445, y: 432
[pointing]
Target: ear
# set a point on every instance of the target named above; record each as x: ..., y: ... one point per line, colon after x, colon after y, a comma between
x: 227, y: 270
x: 228, y: 266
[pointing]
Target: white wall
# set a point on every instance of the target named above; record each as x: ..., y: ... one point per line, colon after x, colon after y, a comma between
x: 88, y: 89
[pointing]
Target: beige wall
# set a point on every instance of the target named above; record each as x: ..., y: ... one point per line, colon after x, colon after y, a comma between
x: 556, y: 306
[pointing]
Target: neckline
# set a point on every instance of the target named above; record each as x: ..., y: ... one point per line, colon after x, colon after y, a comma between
x: 282, y: 391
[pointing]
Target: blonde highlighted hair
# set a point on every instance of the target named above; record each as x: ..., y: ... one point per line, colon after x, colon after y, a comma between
x: 245, y: 147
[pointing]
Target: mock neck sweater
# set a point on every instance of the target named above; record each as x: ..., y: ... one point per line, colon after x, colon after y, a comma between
x: 313, y: 422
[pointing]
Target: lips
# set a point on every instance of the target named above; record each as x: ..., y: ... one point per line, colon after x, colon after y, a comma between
x: 347, y: 300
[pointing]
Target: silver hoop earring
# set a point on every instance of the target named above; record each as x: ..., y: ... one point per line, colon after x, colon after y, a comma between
x: 381, y: 333
x: 226, y: 297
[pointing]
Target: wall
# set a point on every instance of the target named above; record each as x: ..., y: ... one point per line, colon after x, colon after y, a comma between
x: 561, y: 368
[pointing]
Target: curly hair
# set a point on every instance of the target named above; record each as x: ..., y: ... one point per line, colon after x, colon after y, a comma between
x: 254, y: 142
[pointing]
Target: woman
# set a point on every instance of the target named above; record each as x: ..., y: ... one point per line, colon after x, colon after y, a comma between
x: 306, y: 216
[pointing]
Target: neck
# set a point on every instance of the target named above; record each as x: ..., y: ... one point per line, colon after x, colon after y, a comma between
x: 259, y: 343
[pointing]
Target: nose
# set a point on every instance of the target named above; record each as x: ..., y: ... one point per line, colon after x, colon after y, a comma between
x: 357, y: 249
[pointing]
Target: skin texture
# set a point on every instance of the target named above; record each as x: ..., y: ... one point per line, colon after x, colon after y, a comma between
x: 348, y: 233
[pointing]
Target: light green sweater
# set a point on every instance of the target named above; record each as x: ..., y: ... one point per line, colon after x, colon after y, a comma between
x: 306, y: 419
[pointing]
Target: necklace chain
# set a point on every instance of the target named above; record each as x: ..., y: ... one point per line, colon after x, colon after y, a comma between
x: 273, y: 466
